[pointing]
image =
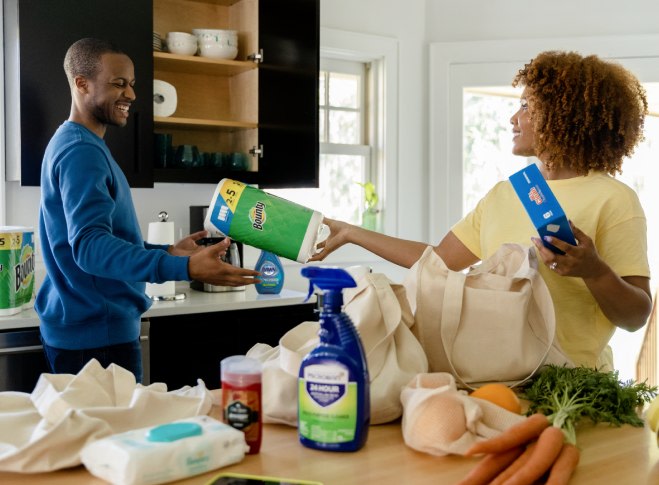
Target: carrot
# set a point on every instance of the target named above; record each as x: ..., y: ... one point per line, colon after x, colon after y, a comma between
x: 517, y: 435
x: 547, y: 449
x: 489, y: 466
x: 514, y: 466
x: 564, y: 466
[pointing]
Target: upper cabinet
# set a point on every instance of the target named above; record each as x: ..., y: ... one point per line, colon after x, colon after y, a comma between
x: 262, y: 105
x: 37, y: 36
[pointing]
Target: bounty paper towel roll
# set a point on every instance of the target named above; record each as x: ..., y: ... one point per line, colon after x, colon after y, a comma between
x: 263, y: 220
x: 16, y: 269
x: 164, y: 98
x: 161, y: 233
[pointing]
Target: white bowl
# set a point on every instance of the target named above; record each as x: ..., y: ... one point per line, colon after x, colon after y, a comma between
x: 220, y: 36
x: 181, y: 36
x: 182, y: 43
x: 217, y: 51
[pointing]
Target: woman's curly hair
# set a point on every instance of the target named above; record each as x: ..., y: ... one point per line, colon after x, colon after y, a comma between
x: 587, y: 113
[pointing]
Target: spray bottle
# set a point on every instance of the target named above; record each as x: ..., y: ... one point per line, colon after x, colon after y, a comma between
x: 333, y: 386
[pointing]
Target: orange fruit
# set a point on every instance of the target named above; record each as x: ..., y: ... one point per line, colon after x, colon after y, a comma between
x: 499, y: 394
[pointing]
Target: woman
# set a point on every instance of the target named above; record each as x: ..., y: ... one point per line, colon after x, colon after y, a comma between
x: 580, y: 116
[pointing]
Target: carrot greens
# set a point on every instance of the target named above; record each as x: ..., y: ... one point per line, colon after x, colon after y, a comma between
x: 567, y: 395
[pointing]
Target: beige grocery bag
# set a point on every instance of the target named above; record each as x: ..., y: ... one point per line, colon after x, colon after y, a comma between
x: 47, y: 429
x: 439, y: 419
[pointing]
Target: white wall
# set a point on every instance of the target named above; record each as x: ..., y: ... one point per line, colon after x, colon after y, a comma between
x: 467, y: 20
x: 414, y: 23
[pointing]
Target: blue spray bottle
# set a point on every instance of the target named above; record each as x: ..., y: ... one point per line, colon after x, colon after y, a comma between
x: 272, y: 274
x: 333, y: 386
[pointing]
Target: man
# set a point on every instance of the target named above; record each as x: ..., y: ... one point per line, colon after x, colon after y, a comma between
x: 96, y: 261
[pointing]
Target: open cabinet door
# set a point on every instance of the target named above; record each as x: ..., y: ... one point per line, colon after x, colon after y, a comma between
x: 289, y: 35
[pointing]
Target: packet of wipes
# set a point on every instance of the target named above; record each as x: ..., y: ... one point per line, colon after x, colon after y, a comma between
x: 165, y: 453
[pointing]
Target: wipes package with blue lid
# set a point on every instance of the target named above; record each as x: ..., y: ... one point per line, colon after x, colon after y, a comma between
x: 165, y: 453
x: 541, y: 205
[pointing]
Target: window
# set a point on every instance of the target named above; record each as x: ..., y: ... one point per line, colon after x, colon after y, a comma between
x: 345, y: 144
x: 378, y: 58
x: 487, y: 142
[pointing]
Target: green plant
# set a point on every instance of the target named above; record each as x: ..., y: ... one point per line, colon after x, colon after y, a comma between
x: 568, y: 395
x: 370, y: 195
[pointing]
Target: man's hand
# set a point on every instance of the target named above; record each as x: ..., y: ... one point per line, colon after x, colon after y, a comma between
x: 206, y: 265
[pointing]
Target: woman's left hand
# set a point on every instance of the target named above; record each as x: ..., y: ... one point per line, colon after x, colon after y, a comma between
x: 581, y: 260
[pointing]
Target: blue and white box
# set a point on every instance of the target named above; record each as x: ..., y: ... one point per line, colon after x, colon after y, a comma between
x: 541, y: 205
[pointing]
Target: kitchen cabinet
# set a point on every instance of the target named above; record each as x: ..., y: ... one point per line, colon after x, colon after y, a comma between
x: 269, y: 107
x: 264, y: 103
x: 37, y: 35
x: 188, y: 347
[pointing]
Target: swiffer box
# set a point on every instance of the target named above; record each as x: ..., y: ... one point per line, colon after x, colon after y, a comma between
x: 541, y: 205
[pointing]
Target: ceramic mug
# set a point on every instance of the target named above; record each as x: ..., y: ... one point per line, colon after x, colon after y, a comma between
x: 187, y: 156
x: 163, y: 152
x: 216, y: 160
x: 238, y: 161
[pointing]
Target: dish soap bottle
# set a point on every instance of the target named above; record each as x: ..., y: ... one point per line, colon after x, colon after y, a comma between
x: 333, y: 386
x: 272, y: 274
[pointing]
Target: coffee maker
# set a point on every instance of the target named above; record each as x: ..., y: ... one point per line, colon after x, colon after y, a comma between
x: 234, y: 254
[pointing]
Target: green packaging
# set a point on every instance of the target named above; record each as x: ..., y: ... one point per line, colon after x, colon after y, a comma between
x: 265, y: 221
x: 16, y: 269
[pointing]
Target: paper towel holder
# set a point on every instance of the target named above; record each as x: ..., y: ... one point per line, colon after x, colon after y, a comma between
x: 163, y: 217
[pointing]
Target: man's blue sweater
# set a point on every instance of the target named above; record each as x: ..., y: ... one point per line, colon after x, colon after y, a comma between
x: 96, y: 260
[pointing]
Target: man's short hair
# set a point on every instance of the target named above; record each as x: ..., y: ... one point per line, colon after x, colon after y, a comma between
x: 83, y: 58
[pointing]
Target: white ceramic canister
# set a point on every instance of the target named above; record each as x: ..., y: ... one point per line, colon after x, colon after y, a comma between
x: 217, y: 43
x: 17, y: 262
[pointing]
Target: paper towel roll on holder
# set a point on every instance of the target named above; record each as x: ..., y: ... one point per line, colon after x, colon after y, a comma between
x: 155, y: 291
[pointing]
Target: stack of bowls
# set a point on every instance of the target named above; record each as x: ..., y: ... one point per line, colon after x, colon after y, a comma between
x: 157, y: 42
x: 217, y: 43
x: 182, y: 43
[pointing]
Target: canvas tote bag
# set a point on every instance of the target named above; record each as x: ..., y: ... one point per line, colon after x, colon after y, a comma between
x: 381, y: 312
x: 492, y: 323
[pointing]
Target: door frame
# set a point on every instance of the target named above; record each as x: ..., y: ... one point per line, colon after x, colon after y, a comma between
x: 487, y: 63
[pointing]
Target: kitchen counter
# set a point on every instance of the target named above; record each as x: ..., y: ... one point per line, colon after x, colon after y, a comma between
x: 195, y: 302
x: 624, y: 455
x: 200, y: 330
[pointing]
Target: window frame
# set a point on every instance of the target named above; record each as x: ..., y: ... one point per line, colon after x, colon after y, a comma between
x: 382, y: 91
x: 361, y: 148
x: 357, y: 68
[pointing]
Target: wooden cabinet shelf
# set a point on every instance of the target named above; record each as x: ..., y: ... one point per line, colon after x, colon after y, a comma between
x: 202, y: 175
x: 227, y: 126
x: 164, y: 61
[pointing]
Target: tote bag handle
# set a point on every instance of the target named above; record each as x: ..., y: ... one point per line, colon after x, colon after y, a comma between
x: 450, y: 322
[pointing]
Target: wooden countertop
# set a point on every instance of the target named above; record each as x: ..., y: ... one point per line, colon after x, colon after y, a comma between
x: 616, y: 456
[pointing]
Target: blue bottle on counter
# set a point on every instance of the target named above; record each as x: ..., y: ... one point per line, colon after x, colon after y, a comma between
x: 272, y: 274
x: 333, y: 386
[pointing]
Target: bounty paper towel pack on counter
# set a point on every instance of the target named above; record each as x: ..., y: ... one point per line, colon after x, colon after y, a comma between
x: 265, y: 221
x: 165, y: 453
x: 16, y: 269
x: 541, y: 205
